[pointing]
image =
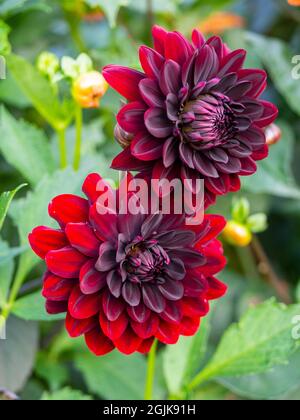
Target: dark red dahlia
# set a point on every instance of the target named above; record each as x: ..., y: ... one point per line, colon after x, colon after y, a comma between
x: 193, y: 113
x: 125, y: 279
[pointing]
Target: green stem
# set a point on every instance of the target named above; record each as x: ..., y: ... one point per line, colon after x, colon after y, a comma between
x: 150, y: 372
x: 61, y: 134
x: 202, y: 377
x: 77, y: 152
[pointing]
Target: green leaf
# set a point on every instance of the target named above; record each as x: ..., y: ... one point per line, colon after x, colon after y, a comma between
x: 268, y: 385
x: 5, y: 47
x: 6, y: 273
x: 279, y: 65
x: 13, y: 7
x: 11, y: 94
x: 66, y: 394
x: 110, y: 7
x: 261, y: 340
x: 274, y: 175
x: 17, y: 353
x: 5, y: 201
x: 181, y: 360
x: 55, y: 374
x: 32, y: 308
x: 39, y: 91
x: 114, y: 376
x: 297, y: 293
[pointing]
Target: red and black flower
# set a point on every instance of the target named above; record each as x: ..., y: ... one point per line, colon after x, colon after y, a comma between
x: 193, y: 113
x: 124, y: 279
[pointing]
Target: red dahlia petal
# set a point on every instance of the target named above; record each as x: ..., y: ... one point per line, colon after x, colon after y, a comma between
x: 151, y: 61
x: 125, y: 161
x: 43, y: 239
x: 139, y: 313
x: 146, y: 329
x: 177, y: 48
x: 69, y: 208
x: 198, y: 39
x: 145, y: 346
x: 216, y: 224
x: 167, y: 333
x: 269, y: 115
x: 114, y: 329
x: 257, y: 77
x: 172, y: 313
x: 105, y: 225
x: 232, y: 62
x: 90, y: 187
x: 157, y: 123
x: 83, y: 306
x: 55, y: 308
x: 82, y: 237
x: 159, y: 36
x: 131, y: 117
x: 145, y: 147
x: 76, y: 327
x: 194, y: 307
x: 124, y: 80
x: 216, y: 289
x: 65, y: 262
x: 189, y: 326
x: 56, y: 288
x: 128, y: 343
x: 261, y: 153
x: 98, y: 343
x: 112, y: 306
x: 151, y: 93
x: 91, y: 280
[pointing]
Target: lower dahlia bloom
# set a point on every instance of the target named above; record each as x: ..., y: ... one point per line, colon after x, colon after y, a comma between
x: 124, y: 280
x: 193, y: 113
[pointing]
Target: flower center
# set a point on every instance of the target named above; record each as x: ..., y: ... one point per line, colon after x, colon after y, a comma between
x: 207, y: 122
x: 146, y: 261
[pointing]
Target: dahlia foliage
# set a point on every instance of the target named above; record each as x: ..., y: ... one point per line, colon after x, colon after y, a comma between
x: 193, y: 113
x: 125, y: 279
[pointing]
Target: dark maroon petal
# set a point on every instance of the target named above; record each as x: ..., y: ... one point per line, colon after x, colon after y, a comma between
x: 105, y: 225
x: 195, y: 284
x: 151, y: 224
x: 159, y: 36
x: 98, y: 343
x: 253, y: 108
x: 157, y: 123
x: 257, y: 77
x: 218, y: 155
x: 239, y: 90
x: 151, y: 93
x: 248, y: 166
x: 68, y: 208
x: 43, y: 239
x: 145, y: 147
x: 191, y: 258
x: 83, y: 306
x: 139, y: 313
x: 219, y: 185
x: 176, y: 269
x: 125, y: 161
x: 153, y: 298
x: 146, y: 329
x: 114, y: 282
x: 170, y: 79
x: 186, y: 155
x: 57, y: 288
x: 151, y: 61
x: 232, y: 62
x: 91, y: 280
x: 54, y: 308
x: 114, y: 329
x: 78, y: 327
x: 177, y: 48
x: 172, y: 313
x: 131, y: 117
x: 206, y: 65
x: 82, y: 237
x: 205, y: 165
x: 173, y: 106
x: 124, y: 80
x: 216, y: 43
x: 226, y: 82
x: 198, y: 39
x: 170, y: 152
x: 65, y: 262
x: 131, y: 293
x: 254, y: 137
x: 269, y: 115
x: 172, y: 290
x: 175, y: 238
x: 233, y: 166
x: 112, y: 307
x: 107, y: 257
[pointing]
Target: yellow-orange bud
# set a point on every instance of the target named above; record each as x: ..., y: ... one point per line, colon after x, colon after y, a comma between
x: 89, y: 88
x: 219, y: 22
x: 294, y: 2
x: 273, y: 134
x: 237, y: 234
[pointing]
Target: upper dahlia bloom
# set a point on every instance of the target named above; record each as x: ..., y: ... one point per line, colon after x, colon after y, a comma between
x: 193, y: 113
x: 125, y: 279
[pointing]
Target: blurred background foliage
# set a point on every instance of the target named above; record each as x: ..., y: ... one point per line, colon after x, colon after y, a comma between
x: 38, y: 360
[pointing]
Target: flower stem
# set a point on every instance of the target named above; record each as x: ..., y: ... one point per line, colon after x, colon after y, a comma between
x: 150, y: 372
x: 62, y: 148
x: 77, y: 152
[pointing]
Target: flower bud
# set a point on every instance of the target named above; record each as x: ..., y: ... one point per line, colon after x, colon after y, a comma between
x: 123, y: 138
x: 257, y: 223
x: 273, y: 134
x: 237, y: 234
x: 48, y: 64
x: 240, y: 210
x: 89, y: 88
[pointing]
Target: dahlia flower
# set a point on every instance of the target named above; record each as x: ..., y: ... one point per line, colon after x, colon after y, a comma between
x: 193, y: 113
x: 123, y: 280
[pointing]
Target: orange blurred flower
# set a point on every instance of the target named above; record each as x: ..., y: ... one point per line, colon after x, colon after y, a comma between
x: 89, y: 88
x: 237, y: 234
x: 273, y: 134
x: 294, y: 2
x: 219, y: 22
